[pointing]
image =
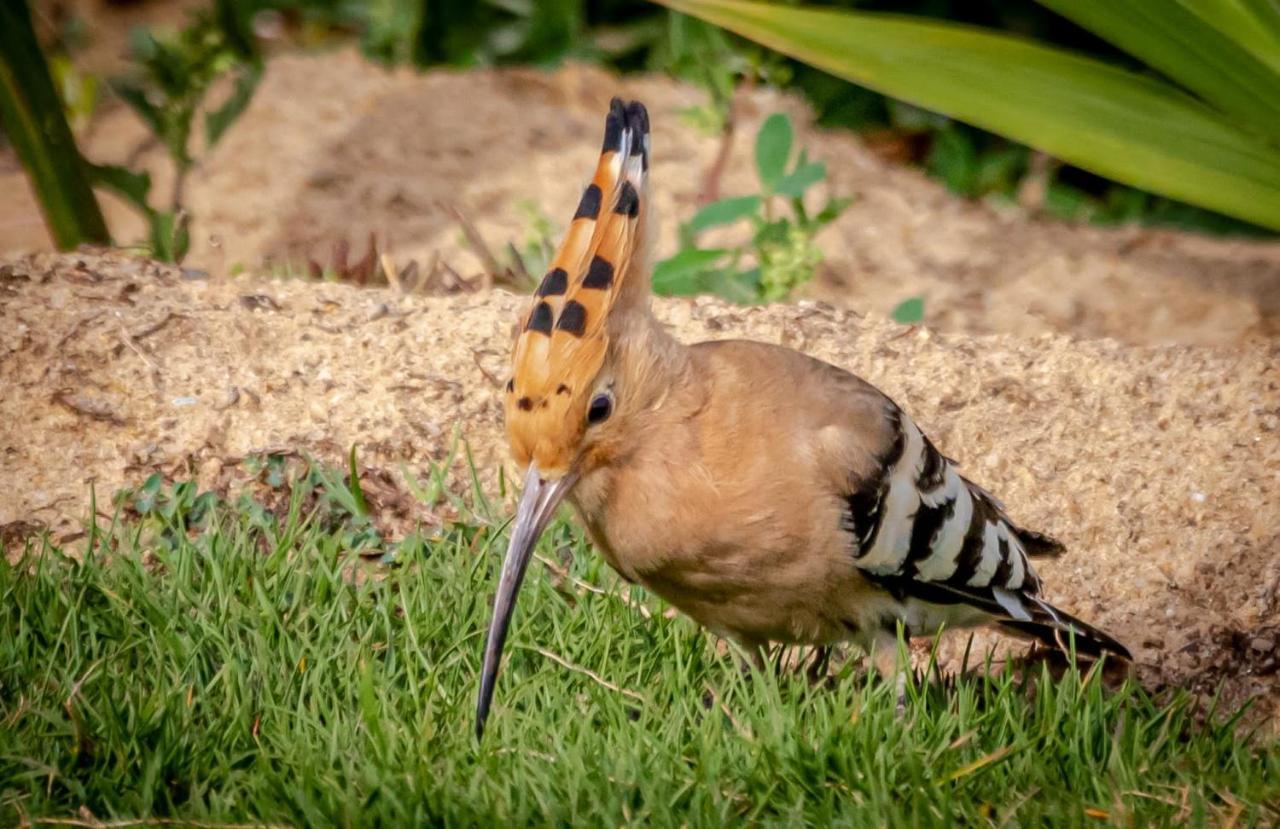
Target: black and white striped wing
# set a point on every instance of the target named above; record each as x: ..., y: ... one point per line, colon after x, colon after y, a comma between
x: 923, y: 531
x: 920, y: 518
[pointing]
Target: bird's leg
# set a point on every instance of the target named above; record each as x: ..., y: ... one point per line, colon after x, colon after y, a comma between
x: 756, y: 654
x: 818, y: 664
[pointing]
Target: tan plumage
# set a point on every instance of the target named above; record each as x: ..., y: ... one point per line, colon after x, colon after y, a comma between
x: 768, y: 495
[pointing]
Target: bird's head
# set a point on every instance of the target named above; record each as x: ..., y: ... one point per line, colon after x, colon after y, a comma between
x: 566, y: 403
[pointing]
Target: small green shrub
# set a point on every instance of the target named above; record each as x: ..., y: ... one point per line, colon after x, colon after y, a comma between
x: 176, y: 72
x: 781, y: 254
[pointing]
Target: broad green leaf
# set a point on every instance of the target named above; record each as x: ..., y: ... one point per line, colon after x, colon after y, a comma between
x: 909, y: 311
x: 1118, y: 124
x: 678, y: 276
x: 724, y: 212
x: 1254, y: 25
x: 773, y: 148
x: 34, y: 121
x: 800, y: 179
x: 1188, y: 49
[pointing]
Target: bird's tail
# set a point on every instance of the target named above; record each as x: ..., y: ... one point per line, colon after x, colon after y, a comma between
x: 1059, y: 629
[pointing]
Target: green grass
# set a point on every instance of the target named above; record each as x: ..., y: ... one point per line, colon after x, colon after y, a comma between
x: 238, y: 671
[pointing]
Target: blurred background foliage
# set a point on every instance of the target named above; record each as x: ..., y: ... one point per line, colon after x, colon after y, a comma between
x: 171, y: 71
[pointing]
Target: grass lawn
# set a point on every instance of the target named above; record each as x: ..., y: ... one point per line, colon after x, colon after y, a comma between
x: 224, y: 662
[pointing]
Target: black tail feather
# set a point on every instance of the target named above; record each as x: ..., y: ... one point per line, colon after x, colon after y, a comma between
x: 1039, y: 544
x: 1063, y: 631
x: 1030, y: 615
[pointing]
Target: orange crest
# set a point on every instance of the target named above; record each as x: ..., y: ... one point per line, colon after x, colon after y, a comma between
x: 564, y: 334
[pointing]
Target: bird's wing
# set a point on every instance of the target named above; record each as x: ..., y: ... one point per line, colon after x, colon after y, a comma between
x: 921, y: 530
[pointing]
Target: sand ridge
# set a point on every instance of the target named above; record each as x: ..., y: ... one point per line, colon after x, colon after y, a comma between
x: 1158, y: 466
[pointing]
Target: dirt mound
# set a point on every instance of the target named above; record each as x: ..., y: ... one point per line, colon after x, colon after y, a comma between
x: 334, y: 148
x: 1158, y: 466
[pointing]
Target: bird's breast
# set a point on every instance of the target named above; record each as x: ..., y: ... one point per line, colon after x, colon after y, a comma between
x: 758, y: 563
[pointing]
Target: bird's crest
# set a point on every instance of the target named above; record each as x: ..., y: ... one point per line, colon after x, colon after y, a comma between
x: 563, y: 335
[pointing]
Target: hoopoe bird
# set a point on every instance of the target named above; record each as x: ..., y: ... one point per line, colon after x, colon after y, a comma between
x: 771, y: 497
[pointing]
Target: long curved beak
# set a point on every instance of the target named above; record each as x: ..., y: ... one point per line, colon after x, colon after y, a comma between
x: 537, y: 504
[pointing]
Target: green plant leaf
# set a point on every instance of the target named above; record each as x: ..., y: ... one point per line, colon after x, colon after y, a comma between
x: 724, y: 212
x: 773, y: 148
x: 136, y: 98
x: 679, y: 275
x: 217, y: 121
x: 742, y: 287
x: 772, y: 233
x: 954, y: 159
x: 1119, y: 124
x: 909, y: 310
x: 1189, y: 49
x: 832, y: 210
x: 800, y: 179
x: 130, y: 185
x: 1254, y: 25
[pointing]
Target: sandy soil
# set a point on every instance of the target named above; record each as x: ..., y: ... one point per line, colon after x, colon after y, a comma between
x: 333, y: 148
x: 1158, y: 466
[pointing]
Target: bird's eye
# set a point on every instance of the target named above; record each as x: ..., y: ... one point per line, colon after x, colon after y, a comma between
x: 600, y: 409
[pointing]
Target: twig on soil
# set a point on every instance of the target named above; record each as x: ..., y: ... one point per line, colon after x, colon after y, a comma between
x: 521, y: 270
x: 565, y: 575
x: 488, y: 375
x: 494, y: 271
x: 127, y: 339
x: 92, y: 409
x: 54, y: 502
x: 75, y: 329
x: 232, y: 398
x: 491, y: 266
x: 459, y: 280
x: 592, y: 675
x: 156, y: 326
x: 745, y: 733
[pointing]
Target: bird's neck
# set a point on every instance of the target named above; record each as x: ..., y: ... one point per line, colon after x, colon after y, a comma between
x: 654, y: 375
x: 650, y: 361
